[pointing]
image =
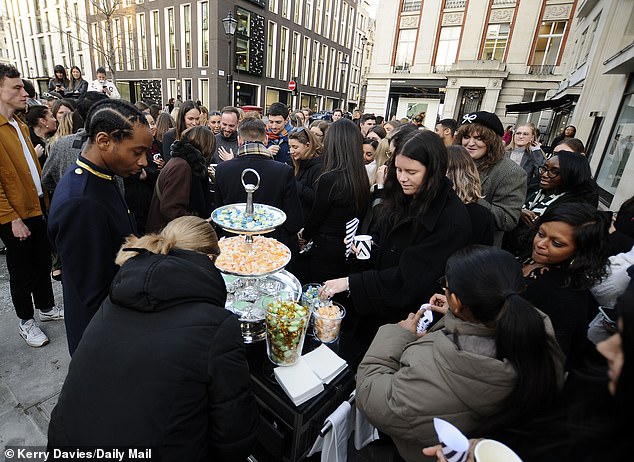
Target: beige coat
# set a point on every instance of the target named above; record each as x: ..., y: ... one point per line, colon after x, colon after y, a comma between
x: 404, y: 382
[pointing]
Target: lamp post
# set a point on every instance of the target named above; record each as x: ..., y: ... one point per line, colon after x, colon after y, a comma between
x: 364, y: 41
x: 344, y: 87
x: 229, y: 23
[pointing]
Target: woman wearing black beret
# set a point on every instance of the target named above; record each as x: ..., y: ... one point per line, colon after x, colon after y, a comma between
x: 503, y: 181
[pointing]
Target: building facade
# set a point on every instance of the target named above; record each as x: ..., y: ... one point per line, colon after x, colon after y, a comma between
x: 445, y: 58
x: 600, y: 68
x: 158, y: 49
x: 43, y: 34
x: 181, y: 49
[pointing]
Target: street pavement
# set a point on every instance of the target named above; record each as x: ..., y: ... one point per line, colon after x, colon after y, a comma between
x: 30, y: 378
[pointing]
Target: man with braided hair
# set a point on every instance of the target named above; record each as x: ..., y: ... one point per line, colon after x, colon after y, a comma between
x: 89, y: 218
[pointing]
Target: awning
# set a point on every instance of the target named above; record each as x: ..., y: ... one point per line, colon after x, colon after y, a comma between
x: 537, y: 106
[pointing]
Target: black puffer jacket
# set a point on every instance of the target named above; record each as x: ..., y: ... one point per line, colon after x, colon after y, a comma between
x: 161, y: 365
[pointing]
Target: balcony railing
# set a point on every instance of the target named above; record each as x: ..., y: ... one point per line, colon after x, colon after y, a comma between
x: 441, y: 69
x: 401, y: 69
x: 541, y: 69
x: 455, y: 4
x: 503, y: 2
x: 411, y: 5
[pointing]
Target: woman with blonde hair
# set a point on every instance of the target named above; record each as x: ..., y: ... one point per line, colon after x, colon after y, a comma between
x: 525, y: 151
x: 463, y: 173
x: 162, y: 335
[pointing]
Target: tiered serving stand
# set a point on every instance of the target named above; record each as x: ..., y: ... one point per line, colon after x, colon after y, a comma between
x: 247, y: 293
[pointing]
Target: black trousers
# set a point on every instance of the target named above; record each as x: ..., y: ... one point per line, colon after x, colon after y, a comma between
x: 29, y: 265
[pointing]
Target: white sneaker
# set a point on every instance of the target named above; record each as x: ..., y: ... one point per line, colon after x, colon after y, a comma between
x: 55, y: 314
x: 32, y: 334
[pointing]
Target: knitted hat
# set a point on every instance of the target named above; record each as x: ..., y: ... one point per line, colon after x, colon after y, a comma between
x: 488, y: 119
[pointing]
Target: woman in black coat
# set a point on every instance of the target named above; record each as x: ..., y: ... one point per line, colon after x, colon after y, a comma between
x: 305, y: 151
x: 569, y: 255
x: 162, y: 364
x: 565, y: 177
x: 422, y: 223
x: 342, y: 194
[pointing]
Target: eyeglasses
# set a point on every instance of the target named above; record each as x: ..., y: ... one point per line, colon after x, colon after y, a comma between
x: 442, y: 282
x: 550, y: 172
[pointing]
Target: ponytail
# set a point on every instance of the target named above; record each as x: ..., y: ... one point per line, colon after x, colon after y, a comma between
x: 489, y: 281
x: 521, y: 338
x: 133, y: 246
x: 186, y: 233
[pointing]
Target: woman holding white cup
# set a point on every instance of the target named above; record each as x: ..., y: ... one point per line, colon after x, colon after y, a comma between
x: 421, y: 223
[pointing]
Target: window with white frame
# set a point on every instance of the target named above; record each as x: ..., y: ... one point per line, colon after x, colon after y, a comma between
x: 129, y: 35
x: 495, y: 42
x: 549, y: 43
x: 305, y: 61
x: 171, y: 38
x: 203, y: 91
x: 447, y: 45
x: 323, y: 66
x: 295, y: 55
x: 186, y: 27
x: 286, y: 9
x: 155, y: 41
x: 273, y: 4
x: 297, y: 13
x: 284, y: 36
x: 314, y: 60
x: 336, y: 17
x: 327, y: 18
x: 308, y: 14
x: 118, y: 34
x: 271, y: 49
x: 142, y: 40
x: 319, y: 6
x: 203, y: 26
x: 406, y: 44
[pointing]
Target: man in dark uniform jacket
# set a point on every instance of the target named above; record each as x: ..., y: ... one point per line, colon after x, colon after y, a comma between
x: 89, y: 218
x: 277, y: 181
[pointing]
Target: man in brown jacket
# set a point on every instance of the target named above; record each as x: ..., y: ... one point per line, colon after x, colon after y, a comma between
x: 22, y: 209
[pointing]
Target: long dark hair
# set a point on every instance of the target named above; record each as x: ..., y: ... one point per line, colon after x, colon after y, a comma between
x: 489, y: 282
x: 180, y: 119
x: 588, y: 265
x: 625, y: 312
x: 427, y: 148
x: 343, y: 155
x: 576, y: 176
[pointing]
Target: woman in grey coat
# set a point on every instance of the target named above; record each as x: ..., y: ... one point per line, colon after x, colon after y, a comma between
x: 503, y: 181
x: 473, y: 368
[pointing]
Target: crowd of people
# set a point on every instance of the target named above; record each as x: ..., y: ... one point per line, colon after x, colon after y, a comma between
x: 502, y: 236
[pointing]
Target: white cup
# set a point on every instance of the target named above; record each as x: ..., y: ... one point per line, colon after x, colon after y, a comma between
x: 494, y: 451
x: 362, y: 243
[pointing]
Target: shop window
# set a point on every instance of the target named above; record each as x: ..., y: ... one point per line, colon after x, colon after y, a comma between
x: 621, y: 142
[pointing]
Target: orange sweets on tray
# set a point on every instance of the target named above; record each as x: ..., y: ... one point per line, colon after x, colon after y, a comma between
x: 263, y: 256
